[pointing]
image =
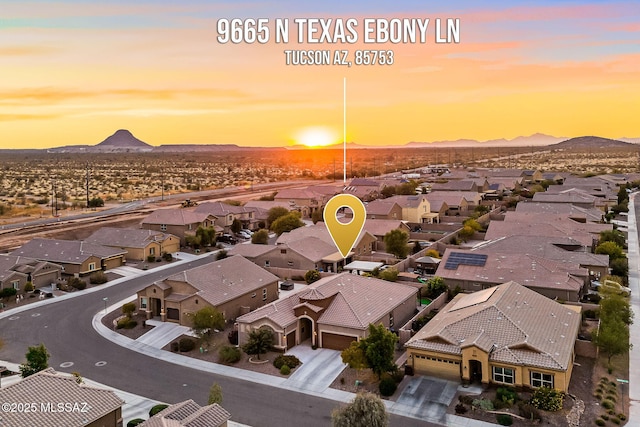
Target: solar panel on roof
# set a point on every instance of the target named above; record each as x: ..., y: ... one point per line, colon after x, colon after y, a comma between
x: 457, y: 258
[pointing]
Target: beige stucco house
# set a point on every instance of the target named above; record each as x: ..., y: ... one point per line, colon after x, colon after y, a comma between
x: 16, y: 271
x: 233, y: 285
x: 332, y: 312
x: 507, y: 334
x: 179, y: 222
x: 139, y: 243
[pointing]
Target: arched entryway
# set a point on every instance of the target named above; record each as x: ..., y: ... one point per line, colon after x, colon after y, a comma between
x: 305, y: 327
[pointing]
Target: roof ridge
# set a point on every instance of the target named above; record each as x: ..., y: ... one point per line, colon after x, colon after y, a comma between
x: 346, y: 300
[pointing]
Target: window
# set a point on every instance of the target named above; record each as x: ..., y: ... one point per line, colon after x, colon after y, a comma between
x: 503, y: 375
x: 267, y: 263
x: 283, y: 251
x: 152, y: 251
x: 253, y: 295
x: 264, y: 294
x: 391, y: 320
x: 163, y: 227
x: 16, y: 285
x: 539, y: 379
x: 290, y: 263
x: 92, y: 266
x: 143, y: 302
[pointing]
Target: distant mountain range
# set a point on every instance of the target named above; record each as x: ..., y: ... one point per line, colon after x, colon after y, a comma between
x: 124, y: 141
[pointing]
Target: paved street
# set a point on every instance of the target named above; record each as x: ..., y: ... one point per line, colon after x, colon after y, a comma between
x: 65, y: 327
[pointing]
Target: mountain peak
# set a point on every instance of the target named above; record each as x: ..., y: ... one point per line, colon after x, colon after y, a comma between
x: 123, y: 138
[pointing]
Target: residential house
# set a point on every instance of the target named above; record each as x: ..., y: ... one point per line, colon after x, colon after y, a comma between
x: 364, y: 188
x: 47, y: 389
x: 309, y: 253
x: 575, y: 213
x: 455, y: 202
x: 138, y: 243
x: 76, y: 258
x: 571, y: 195
x: 381, y: 209
x: 179, y: 222
x: 560, y: 249
x: 232, y: 285
x: 416, y: 209
x: 225, y: 214
x: 364, y: 245
x: 380, y: 227
x: 505, y: 335
x: 189, y: 414
x: 462, y: 185
x: 16, y: 271
x: 473, y: 271
x: 531, y: 176
x: 332, y: 312
x: 305, y: 201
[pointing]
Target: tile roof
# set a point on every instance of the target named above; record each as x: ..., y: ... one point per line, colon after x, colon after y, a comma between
x: 297, y: 193
x: 381, y: 207
x: 219, y: 209
x: 532, y: 271
x: 126, y: 237
x: 564, y: 209
x: 514, y: 324
x: 49, y: 386
x: 357, y: 302
x: 380, y: 227
x: 318, y: 230
x: 175, y: 216
x: 250, y: 250
x: 313, y: 248
x: 408, y: 201
x: 10, y: 264
x: 223, y: 280
x: 65, y: 251
x: 463, y: 185
x: 189, y: 414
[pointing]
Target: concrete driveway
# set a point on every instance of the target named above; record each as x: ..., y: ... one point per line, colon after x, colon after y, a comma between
x: 426, y: 398
x: 319, y: 368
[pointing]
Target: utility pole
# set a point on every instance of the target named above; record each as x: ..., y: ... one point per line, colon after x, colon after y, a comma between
x: 162, y: 177
x: 87, y: 185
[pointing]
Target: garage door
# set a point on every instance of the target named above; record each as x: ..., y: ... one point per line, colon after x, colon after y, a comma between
x: 336, y: 341
x: 439, y: 367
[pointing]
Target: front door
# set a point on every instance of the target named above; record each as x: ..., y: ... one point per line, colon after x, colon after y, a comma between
x: 475, y: 367
x: 156, y: 306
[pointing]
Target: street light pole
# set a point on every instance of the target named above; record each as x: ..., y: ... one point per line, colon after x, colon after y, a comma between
x: 105, y: 299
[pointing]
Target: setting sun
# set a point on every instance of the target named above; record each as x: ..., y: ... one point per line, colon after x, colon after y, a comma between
x: 317, y: 137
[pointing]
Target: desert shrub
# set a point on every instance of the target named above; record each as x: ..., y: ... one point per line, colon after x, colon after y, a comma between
x: 607, y: 404
x: 600, y: 422
x: 528, y: 411
x: 167, y: 256
x: 128, y: 308
x: 286, y: 359
x: 397, y: 374
x: 229, y: 354
x: 604, y: 417
x: 611, y: 398
x: 547, y: 399
x: 186, y: 344
x: 387, y: 386
x: 590, y: 314
x: 622, y: 417
x: 8, y: 292
x: 285, y: 370
x: 98, y: 278
x: 126, y: 323
x: 612, y: 392
x: 597, y: 396
x: 460, y: 408
x: 506, y: 395
x: 484, y: 404
x: 504, y: 419
x: 28, y: 287
x: 134, y: 422
x: 616, y: 421
x: 175, y: 347
x: 77, y: 283
x: 151, y: 258
x: 611, y: 412
x: 465, y: 399
x: 157, y: 409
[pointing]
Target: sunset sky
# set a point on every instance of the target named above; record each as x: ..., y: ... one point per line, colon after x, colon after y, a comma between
x: 74, y: 72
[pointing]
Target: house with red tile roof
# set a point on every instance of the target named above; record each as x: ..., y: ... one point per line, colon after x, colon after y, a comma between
x: 179, y: 222
x: 189, y: 414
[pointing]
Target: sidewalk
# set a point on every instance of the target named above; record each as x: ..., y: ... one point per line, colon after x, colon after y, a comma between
x: 634, y: 328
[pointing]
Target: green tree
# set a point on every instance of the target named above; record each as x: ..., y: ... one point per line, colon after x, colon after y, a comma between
x: 221, y: 255
x: 407, y: 188
x: 260, y: 237
x: 388, y: 191
x: 416, y: 247
x: 366, y: 410
x: 614, y: 236
x: 207, y: 236
x: 236, y: 225
x: 610, y: 248
x: 37, y: 360
x: 390, y: 274
x: 615, y: 307
x: 466, y: 233
x: 395, y: 242
x: 215, y: 394
x: 259, y: 342
x: 289, y: 222
x: 96, y: 202
x: 622, y: 194
x: 354, y: 357
x: 128, y: 309
x: 193, y: 240
x: 613, y: 338
x: 205, y: 320
x: 473, y: 224
x: 311, y: 276
x: 275, y: 213
x: 379, y: 348
x: 317, y: 215
x: 620, y: 267
x: 433, y: 253
x: 434, y: 287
